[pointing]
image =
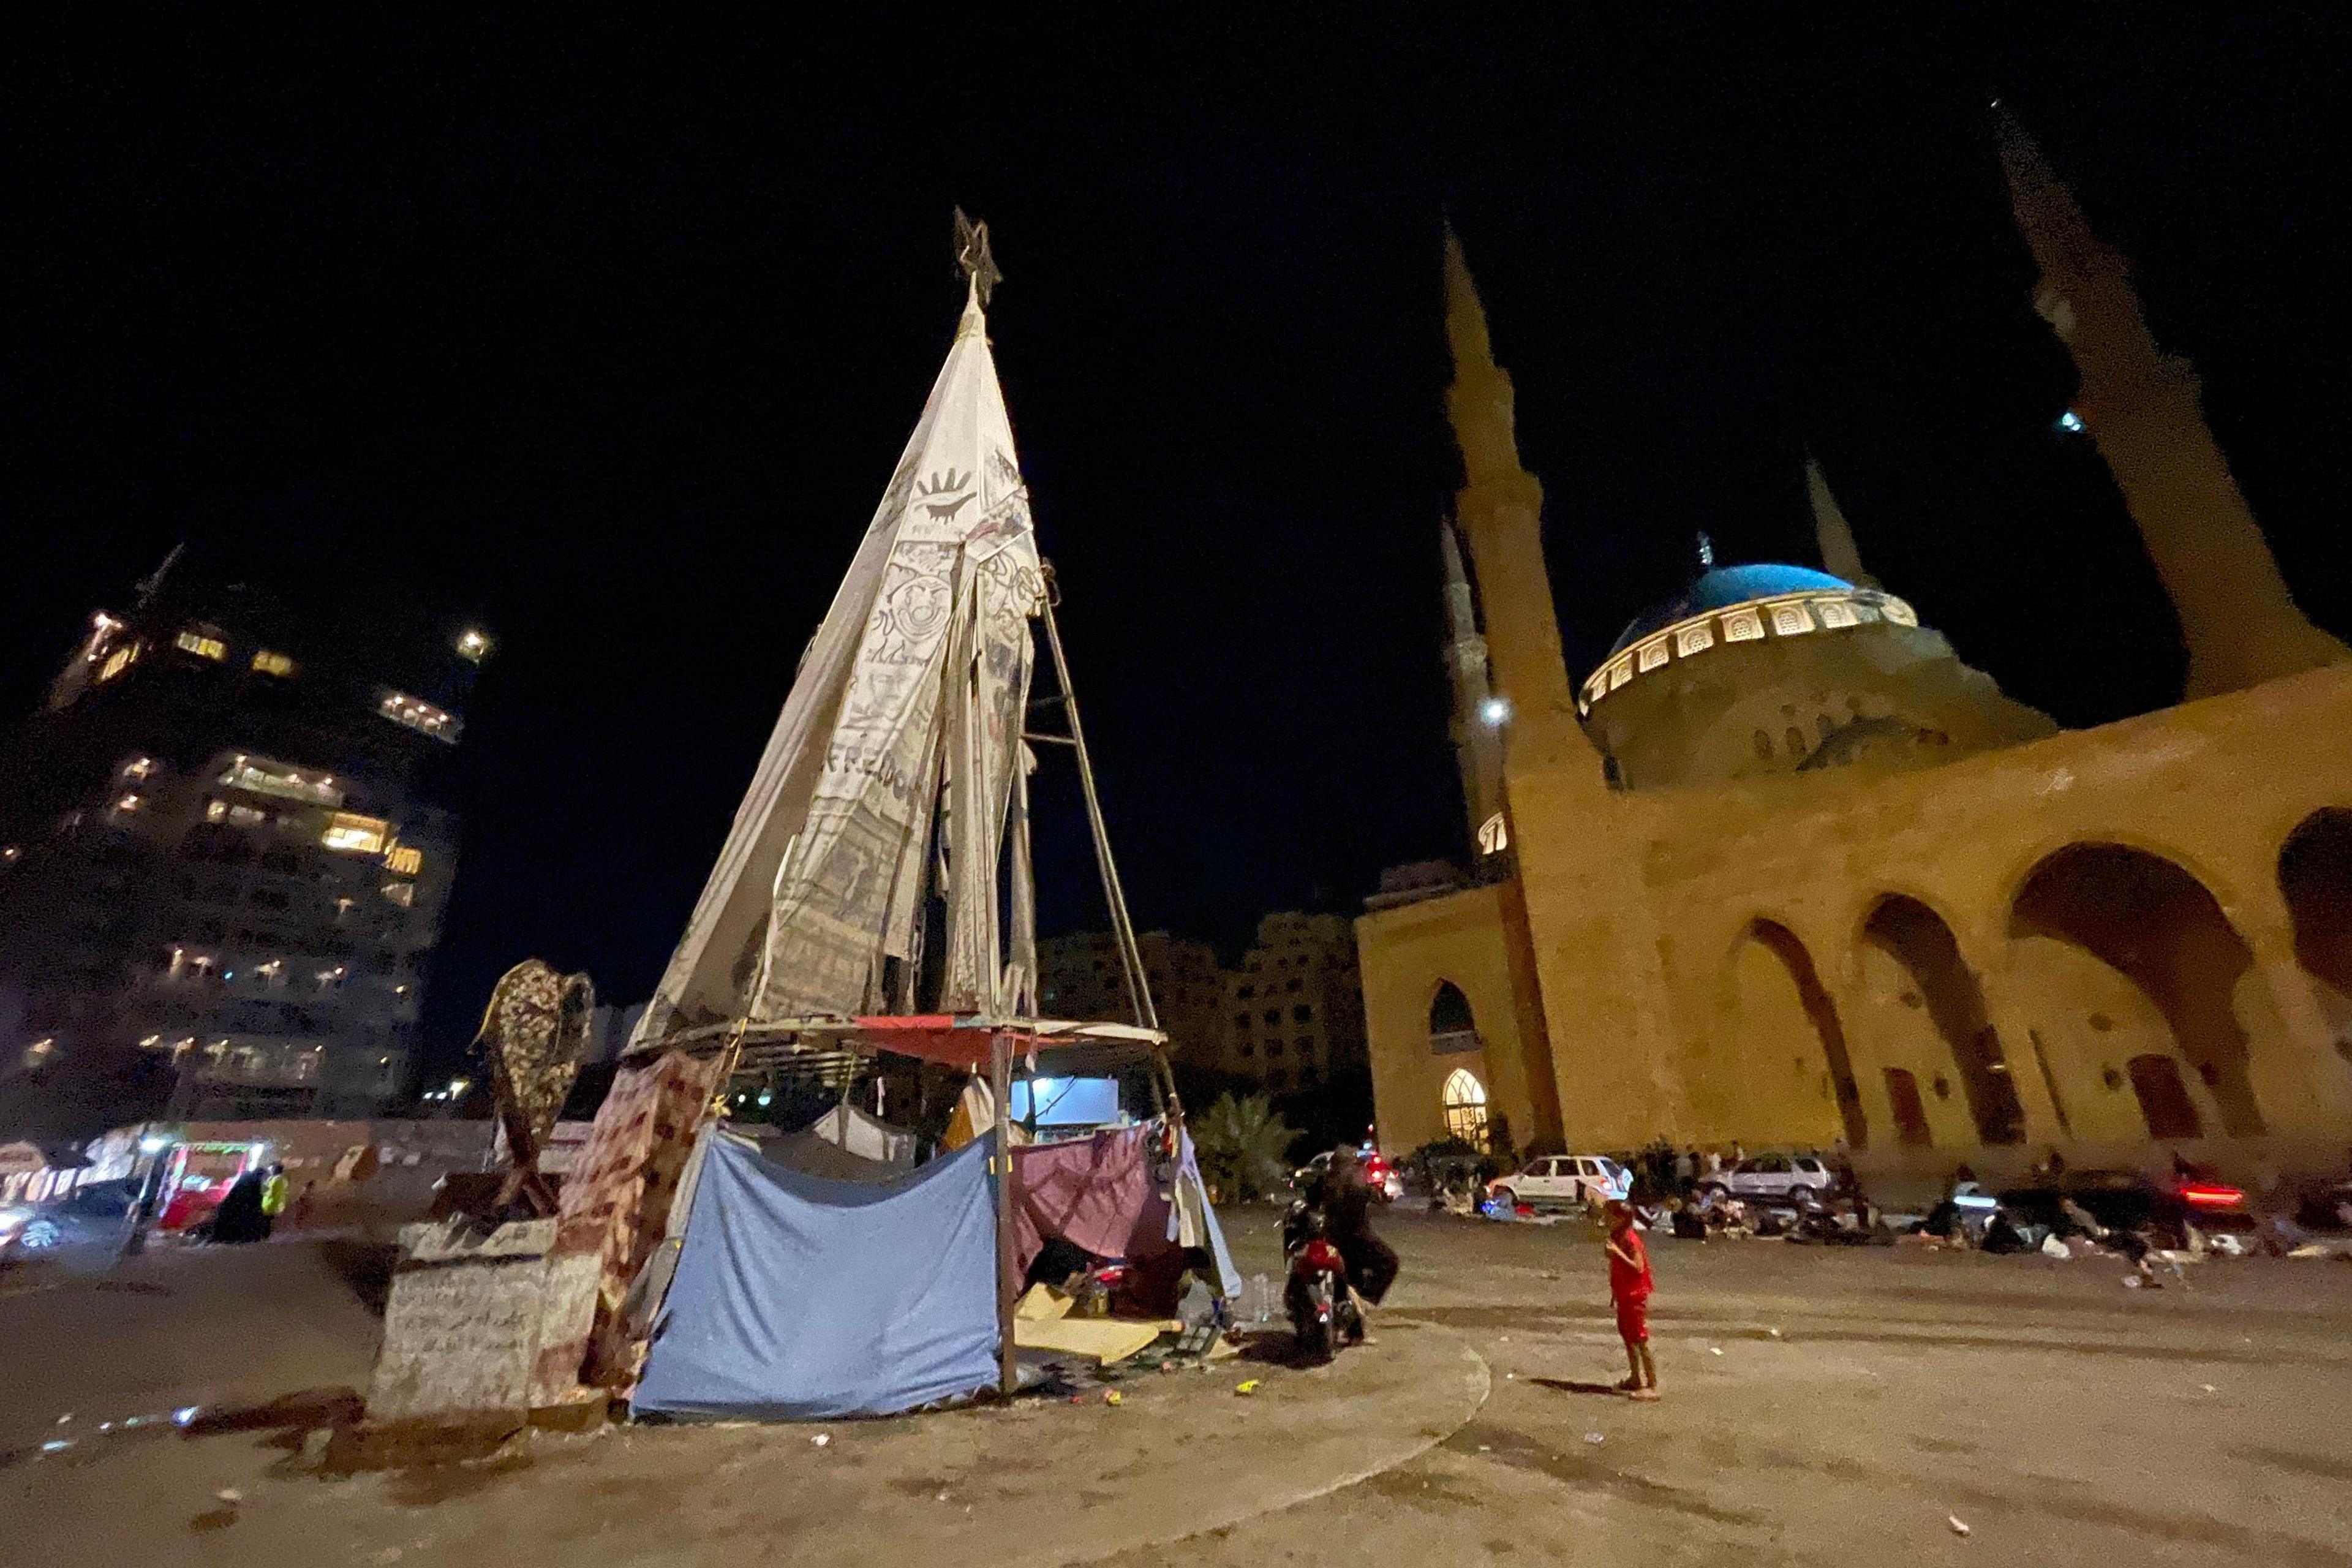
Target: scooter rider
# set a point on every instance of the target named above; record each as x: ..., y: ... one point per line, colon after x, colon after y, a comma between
x: 1346, y: 1199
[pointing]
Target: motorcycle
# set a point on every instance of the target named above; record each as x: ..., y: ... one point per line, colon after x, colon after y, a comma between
x: 1323, y: 1312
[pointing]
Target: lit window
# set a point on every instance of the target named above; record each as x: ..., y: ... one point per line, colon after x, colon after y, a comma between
x: 127, y: 804
x: 118, y: 661
x: 406, y: 859
x: 1464, y: 1104
x: 269, y: 663
x: 202, y: 643
x: 347, y: 831
x: 420, y: 715
x: 264, y: 777
x: 11, y: 855
x: 138, y: 768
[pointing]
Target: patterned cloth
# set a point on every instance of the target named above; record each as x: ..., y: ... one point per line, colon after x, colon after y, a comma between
x: 532, y: 1032
x: 616, y: 1200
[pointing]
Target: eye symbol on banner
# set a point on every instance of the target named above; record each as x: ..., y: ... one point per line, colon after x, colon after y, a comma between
x: 944, y: 495
x: 920, y: 606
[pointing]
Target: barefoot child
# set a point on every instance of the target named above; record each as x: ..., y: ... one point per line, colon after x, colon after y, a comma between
x: 1629, y: 1290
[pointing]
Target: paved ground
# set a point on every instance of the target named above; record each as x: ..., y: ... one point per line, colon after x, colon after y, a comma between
x: 2062, y: 1418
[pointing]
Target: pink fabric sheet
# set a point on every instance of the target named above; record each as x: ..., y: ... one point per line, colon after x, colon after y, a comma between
x: 1095, y: 1192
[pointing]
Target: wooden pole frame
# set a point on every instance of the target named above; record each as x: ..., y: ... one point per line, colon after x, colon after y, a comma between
x: 1008, y: 1371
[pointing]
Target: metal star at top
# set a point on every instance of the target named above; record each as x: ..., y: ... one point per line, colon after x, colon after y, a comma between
x: 971, y: 255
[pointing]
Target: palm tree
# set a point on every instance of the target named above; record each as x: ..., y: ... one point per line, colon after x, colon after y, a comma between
x: 1245, y: 1148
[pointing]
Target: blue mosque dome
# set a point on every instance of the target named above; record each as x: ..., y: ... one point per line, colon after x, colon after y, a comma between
x: 1723, y: 587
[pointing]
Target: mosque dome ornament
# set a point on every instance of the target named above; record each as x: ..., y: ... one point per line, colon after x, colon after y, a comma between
x: 1730, y: 605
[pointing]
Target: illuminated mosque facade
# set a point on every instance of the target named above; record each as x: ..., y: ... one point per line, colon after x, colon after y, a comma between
x: 1785, y: 870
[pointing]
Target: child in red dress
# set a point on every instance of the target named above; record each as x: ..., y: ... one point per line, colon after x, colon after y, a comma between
x: 1630, y: 1285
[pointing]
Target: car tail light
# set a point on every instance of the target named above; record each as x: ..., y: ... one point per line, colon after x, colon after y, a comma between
x: 2210, y: 1195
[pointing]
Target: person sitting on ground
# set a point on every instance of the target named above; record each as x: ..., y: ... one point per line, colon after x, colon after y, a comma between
x: 1630, y: 1284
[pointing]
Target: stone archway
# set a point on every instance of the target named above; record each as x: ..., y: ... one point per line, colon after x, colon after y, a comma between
x: 2149, y: 921
x: 2315, y: 875
x: 1797, y: 1082
x: 1914, y: 949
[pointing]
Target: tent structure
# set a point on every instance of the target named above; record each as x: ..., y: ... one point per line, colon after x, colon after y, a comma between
x: 847, y: 1127
x: 783, y: 1308
x: 874, y: 897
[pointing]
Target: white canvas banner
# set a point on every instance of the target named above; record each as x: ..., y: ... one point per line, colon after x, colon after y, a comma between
x: 916, y: 679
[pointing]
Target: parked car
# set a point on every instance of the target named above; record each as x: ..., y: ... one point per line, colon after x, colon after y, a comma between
x: 1573, y: 1179
x: 92, y: 1212
x: 2126, y: 1200
x: 1790, y: 1178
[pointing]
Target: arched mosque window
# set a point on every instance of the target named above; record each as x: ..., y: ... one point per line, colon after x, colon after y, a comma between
x: 1451, y: 1025
x: 1465, y: 1107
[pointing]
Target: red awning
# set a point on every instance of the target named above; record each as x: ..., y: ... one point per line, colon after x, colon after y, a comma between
x: 935, y: 1037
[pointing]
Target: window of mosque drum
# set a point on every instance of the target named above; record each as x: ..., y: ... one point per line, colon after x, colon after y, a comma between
x: 2163, y: 1098
x: 1763, y: 747
x: 1465, y: 1107
x: 1910, y: 1114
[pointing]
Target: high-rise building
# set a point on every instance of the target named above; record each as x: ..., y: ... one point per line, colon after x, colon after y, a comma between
x: 225, y: 852
x: 1079, y: 977
x: 1294, y: 1007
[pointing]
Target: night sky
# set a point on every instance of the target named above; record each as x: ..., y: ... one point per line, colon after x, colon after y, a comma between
x: 610, y: 341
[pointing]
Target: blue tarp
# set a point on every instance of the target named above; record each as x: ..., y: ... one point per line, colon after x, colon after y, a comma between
x: 803, y: 1298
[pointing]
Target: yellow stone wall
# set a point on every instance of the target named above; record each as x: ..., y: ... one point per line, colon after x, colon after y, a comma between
x: 1665, y: 1014
x: 1465, y: 937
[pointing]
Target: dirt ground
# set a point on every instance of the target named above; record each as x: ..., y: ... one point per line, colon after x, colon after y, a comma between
x: 1819, y: 1407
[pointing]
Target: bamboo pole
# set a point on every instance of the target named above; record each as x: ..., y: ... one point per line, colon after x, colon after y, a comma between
x: 1138, y: 990
x: 1008, y: 1375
